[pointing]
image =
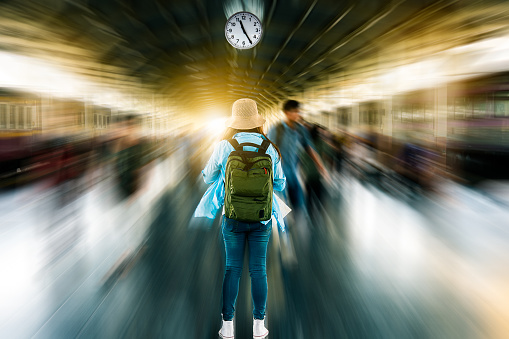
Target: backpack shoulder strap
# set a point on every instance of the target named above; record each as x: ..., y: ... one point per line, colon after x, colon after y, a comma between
x: 249, y: 144
x: 234, y: 143
x: 240, y: 147
x: 264, y: 146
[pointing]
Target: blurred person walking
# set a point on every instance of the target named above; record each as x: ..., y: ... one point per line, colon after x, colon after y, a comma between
x: 131, y: 164
x: 293, y: 139
x: 130, y: 159
x: 315, y: 189
x: 244, y: 141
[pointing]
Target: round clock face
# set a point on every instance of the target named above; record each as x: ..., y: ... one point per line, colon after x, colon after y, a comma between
x: 243, y: 30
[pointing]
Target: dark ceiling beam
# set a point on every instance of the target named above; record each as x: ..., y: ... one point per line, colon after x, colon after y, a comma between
x: 267, y: 23
x: 277, y: 96
x: 389, y: 9
x: 309, y: 10
x: 330, y: 26
x: 268, y: 103
x: 205, y: 24
x: 175, y: 29
x: 426, y: 15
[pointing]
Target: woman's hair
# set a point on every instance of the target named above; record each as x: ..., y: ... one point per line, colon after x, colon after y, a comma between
x: 230, y: 132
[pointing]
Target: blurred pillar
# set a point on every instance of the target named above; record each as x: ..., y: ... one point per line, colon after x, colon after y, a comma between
x: 440, y: 125
x: 114, y: 115
x: 45, y: 112
x: 387, y: 119
x: 33, y: 117
x: 154, y: 117
x: 440, y: 121
x: 324, y: 119
x: 9, y: 117
x: 333, y: 121
x: 87, y: 115
x: 355, y: 115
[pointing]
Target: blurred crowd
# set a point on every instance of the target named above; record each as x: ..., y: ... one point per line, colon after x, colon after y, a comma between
x: 132, y: 208
x: 406, y: 166
x: 53, y: 177
x: 80, y: 158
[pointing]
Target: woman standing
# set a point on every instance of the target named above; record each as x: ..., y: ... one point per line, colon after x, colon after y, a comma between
x: 245, y: 126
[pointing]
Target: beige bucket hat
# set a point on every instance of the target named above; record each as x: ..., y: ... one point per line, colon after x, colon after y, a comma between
x: 245, y: 115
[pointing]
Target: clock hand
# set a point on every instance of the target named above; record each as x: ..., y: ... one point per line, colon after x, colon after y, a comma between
x: 243, y: 30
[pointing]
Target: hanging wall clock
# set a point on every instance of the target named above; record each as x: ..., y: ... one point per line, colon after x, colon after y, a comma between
x: 243, y: 30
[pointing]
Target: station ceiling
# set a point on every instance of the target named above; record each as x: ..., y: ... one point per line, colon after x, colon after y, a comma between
x: 177, y: 49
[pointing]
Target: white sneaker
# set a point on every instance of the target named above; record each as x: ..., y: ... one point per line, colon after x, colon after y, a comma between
x: 259, y: 330
x: 226, y: 331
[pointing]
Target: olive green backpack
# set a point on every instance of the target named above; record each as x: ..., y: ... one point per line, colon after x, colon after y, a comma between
x: 248, y: 183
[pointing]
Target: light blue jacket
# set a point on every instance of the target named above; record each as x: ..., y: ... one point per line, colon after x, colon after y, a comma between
x: 214, y: 174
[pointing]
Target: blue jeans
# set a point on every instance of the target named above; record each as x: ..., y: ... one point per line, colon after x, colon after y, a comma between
x: 236, y: 234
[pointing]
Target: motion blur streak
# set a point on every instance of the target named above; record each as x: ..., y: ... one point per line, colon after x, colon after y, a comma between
x: 109, y: 110
x: 90, y: 259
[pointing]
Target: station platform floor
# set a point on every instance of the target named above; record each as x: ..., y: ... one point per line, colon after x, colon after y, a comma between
x: 374, y: 266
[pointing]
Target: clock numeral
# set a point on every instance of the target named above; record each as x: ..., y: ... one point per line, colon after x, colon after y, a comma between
x: 249, y: 19
x: 243, y: 17
x: 243, y: 42
x: 254, y: 36
x: 255, y: 24
x: 230, y: 30
x: 233, y: 36
x: 233, y: 23
x: 237, y: 19
x: 256, y: 30
x: 238, y: 40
